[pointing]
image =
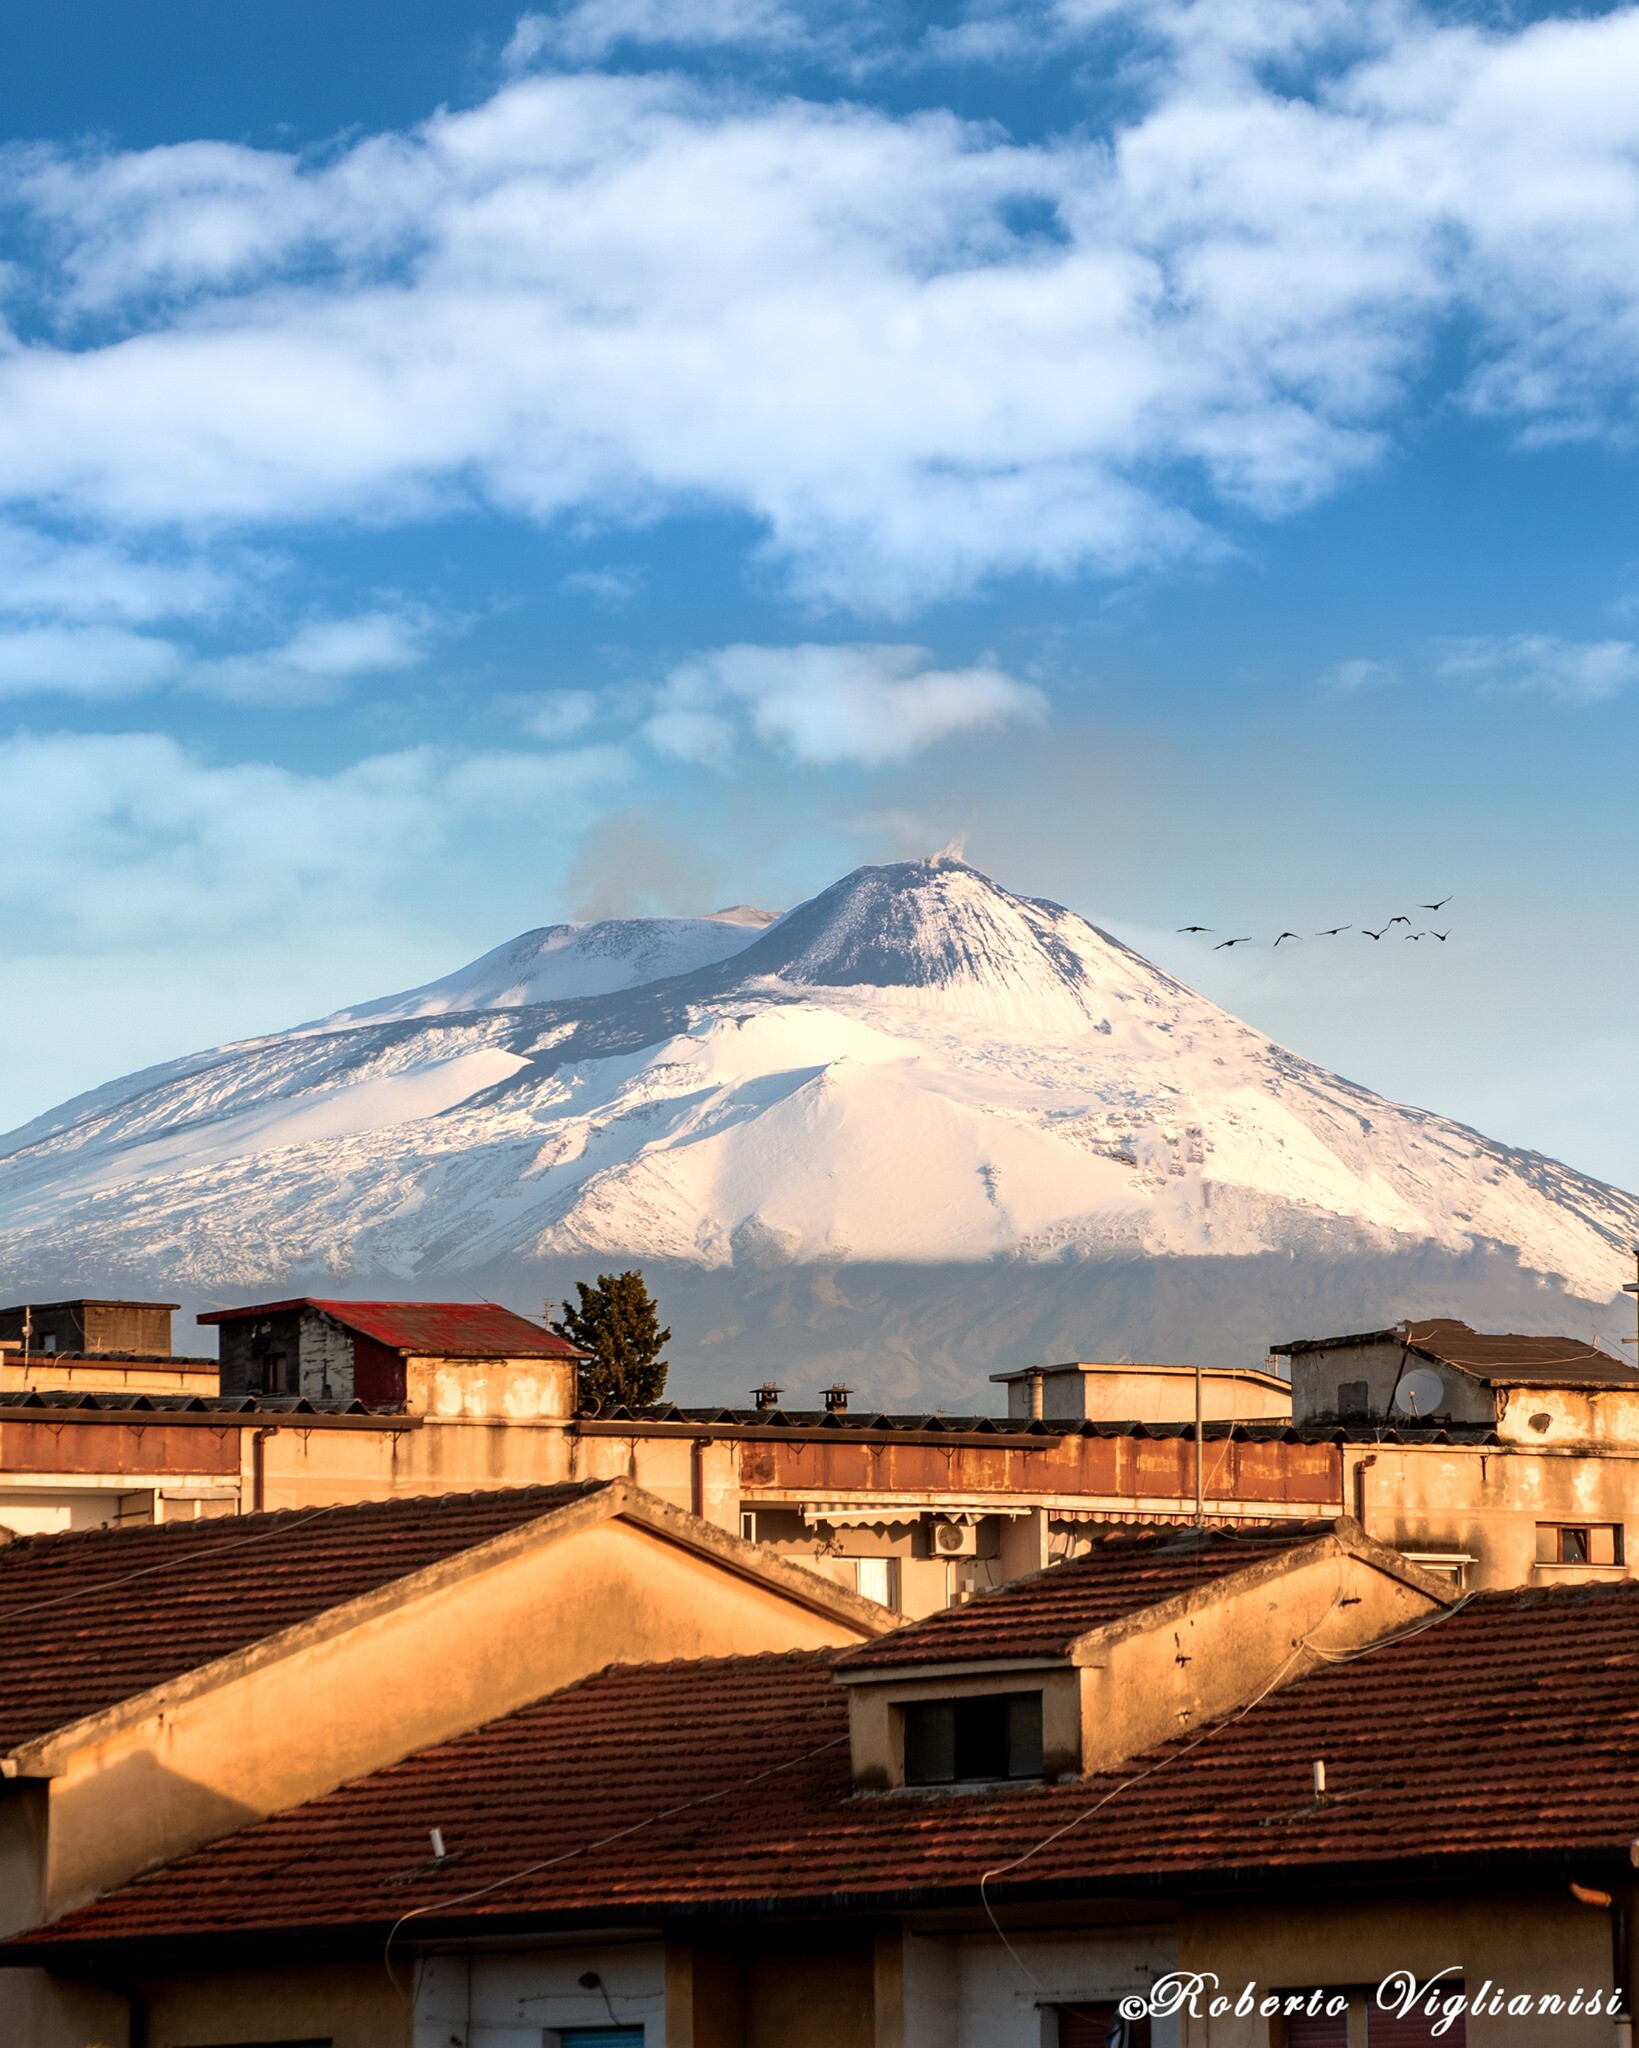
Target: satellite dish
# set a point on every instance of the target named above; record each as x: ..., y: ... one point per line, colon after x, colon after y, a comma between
x: 1420, y: 1391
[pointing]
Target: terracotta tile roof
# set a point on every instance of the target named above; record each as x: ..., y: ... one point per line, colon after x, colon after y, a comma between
x: 90, y: 1619
x: 1497, y: 1358
x: 1510, y: 1726
x: 1129, y: 1569
x: 451, y: 1329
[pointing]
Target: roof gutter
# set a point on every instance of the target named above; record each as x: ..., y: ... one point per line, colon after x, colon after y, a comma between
x: 1482, y: 1870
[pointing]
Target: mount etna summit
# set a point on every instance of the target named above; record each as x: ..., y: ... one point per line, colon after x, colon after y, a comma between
x: 916, y: 1130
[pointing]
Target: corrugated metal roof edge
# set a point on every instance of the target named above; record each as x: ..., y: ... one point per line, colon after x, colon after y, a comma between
x: 111, y: 1405
x: 938, y: 1428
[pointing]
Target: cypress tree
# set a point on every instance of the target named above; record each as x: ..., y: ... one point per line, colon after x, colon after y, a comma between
x: 617, y: 1322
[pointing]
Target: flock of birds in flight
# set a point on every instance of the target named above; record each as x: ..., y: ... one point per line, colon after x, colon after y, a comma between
x: 1336, y: 930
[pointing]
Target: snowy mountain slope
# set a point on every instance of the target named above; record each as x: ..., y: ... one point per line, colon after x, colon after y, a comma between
x: 561, y: 961
x: 916, y: 1071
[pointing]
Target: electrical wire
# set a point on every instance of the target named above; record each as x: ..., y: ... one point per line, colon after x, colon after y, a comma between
x: 1138, y: 1778
x: 168, y: 1564
x: 1306, y: 1645
x: 587, y: 1848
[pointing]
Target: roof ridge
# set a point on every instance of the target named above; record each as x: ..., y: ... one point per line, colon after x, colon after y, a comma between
x: 219, y: 1527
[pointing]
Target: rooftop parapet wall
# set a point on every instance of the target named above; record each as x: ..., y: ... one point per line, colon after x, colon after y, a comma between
x: 1093, y: 1392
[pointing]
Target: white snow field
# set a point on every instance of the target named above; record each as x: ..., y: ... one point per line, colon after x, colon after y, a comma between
x: 916, y: 1128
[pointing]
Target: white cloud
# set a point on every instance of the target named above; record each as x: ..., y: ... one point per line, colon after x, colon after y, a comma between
x: 590, y: 29
x: 42, y: 576
x: 128, y: 838
x: 825, y: 705
x: 1582, y: 671
x: 1344, y: 677
x: 316, y: 663
x: 622, y: 295
x: 84, y: 661
x: 556, y: 714
x: 313, y: 666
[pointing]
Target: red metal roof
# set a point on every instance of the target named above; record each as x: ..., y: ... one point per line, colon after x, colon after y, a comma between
x: 441, y: 1329
x: 89, y: 1619
x: 1127, y: 1570
x: 1510, y: 1726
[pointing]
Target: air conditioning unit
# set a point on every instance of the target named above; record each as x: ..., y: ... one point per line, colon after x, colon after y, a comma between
x: 955, y: 1539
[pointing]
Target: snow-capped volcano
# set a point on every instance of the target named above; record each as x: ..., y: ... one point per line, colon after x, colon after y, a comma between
x: 916, y: 1087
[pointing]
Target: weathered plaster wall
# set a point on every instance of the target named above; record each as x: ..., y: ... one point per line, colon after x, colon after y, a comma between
x: 1529, y: 1944
x: 968, y: 1990
x: 324, y: 1357
x: 816, y: 1989
x: 1487, y: 1504
x: 348, y: 2004
x: 515, y: 1389
x: 1152, y: 1679
x: 506, y: 2000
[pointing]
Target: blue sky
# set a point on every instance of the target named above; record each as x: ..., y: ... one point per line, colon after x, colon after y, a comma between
x: 462, y: 468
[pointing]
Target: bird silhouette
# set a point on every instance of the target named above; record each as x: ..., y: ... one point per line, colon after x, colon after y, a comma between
x: 1416, y: 935
x: 1232, y: 942
x: 1290, y: 935
x: 1332, y: 931
x: 1397, y: 920
x: 1441, y: 936
x: 1195, y: 927
x: 1374, y: 935
x: 1444, y: 900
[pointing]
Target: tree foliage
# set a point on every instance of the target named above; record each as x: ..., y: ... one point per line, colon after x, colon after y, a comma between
x: 618, y: 1323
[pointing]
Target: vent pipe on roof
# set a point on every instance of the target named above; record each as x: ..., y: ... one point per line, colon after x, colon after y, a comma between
x: 836, y: 1398
x: 767, y: 1396
x: 1038, y: 1385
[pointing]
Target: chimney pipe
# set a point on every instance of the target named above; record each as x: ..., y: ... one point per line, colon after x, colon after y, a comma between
x: 1037, y: 1396
x: 836, y: 1398
x: 767, y: 1396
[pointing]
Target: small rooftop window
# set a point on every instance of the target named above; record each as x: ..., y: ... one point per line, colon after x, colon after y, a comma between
x: 973, y: 1741
x: 1579, y: 1543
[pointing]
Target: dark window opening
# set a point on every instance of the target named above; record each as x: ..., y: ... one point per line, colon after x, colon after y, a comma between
x: 1100, y: 2026
x: 1417, y: 2029
x: 1317, y: 2030
x: 273, y: 1373
x: 1353, y: 1400
x: 972, y: 1741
